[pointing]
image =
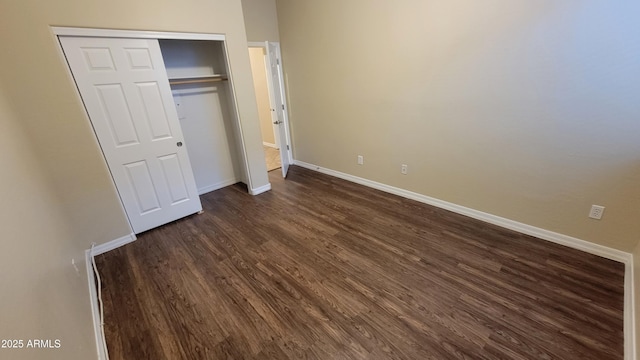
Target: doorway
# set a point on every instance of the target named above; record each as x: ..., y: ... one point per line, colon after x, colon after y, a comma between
x: 268, y: 80
x: 270, y: 142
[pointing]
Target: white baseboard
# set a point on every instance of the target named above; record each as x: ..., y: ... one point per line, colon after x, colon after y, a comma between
x: 95, y: 307
x: 113, y: 244
x: 558, y: 238
x: 93, y: 291
x: 260, y: 190
x: 270, y: 145
x: 216, y: 186
x: 630, y: 347
x: 572, y: 242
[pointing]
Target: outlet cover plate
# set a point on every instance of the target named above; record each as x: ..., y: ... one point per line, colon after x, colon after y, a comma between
x: 596, y: 212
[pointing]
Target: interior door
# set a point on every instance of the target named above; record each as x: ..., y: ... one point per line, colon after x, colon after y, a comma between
x: 277, y: 91
x: 125, y: 90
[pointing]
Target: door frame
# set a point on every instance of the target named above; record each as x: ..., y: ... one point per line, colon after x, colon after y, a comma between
x: 157, y: 35
x: 272, y: 105
x: 285, y: 111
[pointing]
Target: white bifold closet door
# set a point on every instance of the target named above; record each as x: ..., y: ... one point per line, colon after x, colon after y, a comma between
x: 125, y: 89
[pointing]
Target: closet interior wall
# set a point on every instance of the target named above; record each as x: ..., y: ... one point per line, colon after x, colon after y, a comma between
x: 205, y: 110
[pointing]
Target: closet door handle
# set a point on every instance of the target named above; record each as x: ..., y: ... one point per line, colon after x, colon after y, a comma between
x: 179, y: 143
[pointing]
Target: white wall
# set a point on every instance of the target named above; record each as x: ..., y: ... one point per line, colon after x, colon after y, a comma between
x: 209, y: 135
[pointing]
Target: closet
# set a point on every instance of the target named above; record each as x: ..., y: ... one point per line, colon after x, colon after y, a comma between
x: 164, y: 115
x: 197, y: 74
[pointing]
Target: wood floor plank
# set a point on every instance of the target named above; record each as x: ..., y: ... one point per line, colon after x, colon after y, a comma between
x: 321, y: 268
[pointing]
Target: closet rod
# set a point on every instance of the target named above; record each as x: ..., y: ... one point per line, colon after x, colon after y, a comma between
x: 195, y: 81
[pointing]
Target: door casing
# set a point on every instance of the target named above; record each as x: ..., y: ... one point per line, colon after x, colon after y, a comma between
x: 285, y: 117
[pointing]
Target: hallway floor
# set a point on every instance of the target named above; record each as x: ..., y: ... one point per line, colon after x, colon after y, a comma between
x: 272, y: 156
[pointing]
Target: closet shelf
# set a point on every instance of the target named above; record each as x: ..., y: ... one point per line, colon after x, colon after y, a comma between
x: 197, y: 79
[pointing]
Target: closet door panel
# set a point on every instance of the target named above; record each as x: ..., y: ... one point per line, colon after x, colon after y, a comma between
x: 172, y: 171
x: 145, y: 192
x: 124, y: 87
x: 117, y: 115
x: 155, y: 116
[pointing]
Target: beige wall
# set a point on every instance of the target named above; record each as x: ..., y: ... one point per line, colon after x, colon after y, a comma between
x: 42, y: 296
x: 261, y: 20
x: 37, y: 83
x: 525, y: 110
x: 261, y: 87
x: 58, y: 196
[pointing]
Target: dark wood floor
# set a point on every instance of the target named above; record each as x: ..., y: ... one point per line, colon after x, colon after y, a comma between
x: 320, y: 268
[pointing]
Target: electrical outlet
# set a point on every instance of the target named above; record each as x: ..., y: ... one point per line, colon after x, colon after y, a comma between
x: 360, y: 160
x: 404, y: 169
x: 596, y: 212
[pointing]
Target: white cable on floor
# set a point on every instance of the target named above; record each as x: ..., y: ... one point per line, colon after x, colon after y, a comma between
x: 95, y: 271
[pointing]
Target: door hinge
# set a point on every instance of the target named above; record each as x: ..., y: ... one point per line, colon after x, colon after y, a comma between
x: 287, y: 147
x: 282, y: 106
x: 278, y: 61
